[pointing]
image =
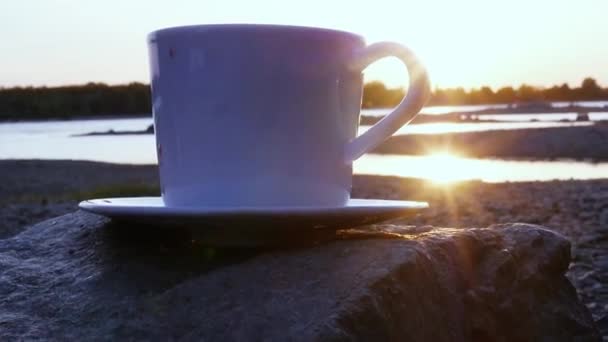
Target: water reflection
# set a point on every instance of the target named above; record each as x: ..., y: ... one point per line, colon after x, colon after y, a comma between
x: 452, y: 127
x: 444, y: 168
x: 438, y: 110
x: 593, y: 116
x: 52, y: 140
x: 134, y: 149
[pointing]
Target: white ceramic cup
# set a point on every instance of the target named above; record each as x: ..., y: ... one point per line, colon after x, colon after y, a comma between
x: 265, y: 115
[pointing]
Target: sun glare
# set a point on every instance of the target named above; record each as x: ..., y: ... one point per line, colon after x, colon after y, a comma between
x: 445, y: 167
x: 442, y: 167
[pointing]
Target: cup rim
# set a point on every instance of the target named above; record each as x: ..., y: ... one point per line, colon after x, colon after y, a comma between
x: 227, y: 27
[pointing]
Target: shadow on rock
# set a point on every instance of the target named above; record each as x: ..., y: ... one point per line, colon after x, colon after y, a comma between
x: 139, y: 253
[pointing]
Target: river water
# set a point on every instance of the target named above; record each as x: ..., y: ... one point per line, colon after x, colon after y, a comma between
x: 55, y: 140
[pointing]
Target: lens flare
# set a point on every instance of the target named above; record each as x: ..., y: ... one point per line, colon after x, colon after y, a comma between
x: 445, y: 167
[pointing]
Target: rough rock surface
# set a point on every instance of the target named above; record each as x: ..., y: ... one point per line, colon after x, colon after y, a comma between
x: 80, y: 276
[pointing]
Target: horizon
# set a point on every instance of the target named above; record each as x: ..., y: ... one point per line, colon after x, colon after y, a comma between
x: 468, y: 44
x: 367, y: 82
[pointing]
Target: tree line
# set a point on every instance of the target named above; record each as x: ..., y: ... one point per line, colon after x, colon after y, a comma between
x: 376, y: 94
x: 91, y: 99
x: 96, y: 99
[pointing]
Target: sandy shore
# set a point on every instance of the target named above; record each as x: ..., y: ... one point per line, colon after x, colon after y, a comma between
x: 580, y: 142
x: 32, y: 191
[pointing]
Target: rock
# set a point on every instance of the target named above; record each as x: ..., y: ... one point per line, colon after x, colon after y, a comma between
x: 602, y: 324
x: 582, y: 116
x: 604, y: 219
x: 148, y: 130
x: 80, y: 276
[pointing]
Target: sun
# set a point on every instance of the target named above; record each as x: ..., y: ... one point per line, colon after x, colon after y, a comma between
x: 445, y: 167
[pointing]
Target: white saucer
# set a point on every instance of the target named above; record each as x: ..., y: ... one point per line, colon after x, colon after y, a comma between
x: 151, y: 210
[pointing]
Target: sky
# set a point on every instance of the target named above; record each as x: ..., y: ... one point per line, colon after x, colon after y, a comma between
x: 463, y: 43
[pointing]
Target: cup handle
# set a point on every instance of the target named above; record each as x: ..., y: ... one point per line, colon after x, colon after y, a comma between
x: 418, y: 93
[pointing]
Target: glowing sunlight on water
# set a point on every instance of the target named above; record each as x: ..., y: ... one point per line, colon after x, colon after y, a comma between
x: 452, y: 127
x: 53, y: 140
x: 445, y: 168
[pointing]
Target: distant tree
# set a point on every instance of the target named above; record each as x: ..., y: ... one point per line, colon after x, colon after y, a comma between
x: 505, y: 95
x: 376, y: 95
x: 590, y: 90
x: 565, y: 93
x: 372, y: 94
x: 526, y: 93
x: 483, y: 95
x: 590, y: 84
x: 69, y: 101
x: 487, y: 94
x: 558, y: 93
x: 438, y: 97
x: 134, y: 98
x: 455, y: 96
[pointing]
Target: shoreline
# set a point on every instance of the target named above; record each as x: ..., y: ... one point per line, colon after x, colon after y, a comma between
x: 587, y: 143
x: 25, y: 178
x: 454, y: 116
x: 489, y: 158
x: 552, y: 143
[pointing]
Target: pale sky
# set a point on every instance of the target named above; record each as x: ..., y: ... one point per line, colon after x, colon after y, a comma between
x: 463, y: 43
